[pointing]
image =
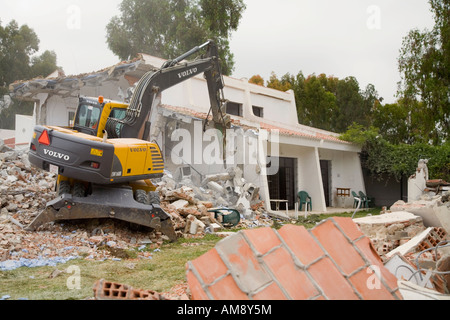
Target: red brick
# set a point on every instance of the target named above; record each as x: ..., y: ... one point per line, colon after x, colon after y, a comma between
x: 271, y: 292
x: 338, y: 247
x: 367, y: 249
x: 227, y: 289
x: 195, y: 287
x: 331, y: 281
x: 293, y: 280
x: 210, y: 266
x: 370, y: 286
x: 301, y: 243
x: 263, y: 239
x: 349, y: 227
x: 242, y: 261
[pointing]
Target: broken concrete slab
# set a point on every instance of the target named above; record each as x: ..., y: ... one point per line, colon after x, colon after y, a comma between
x: 412, y: 245
x: 411, y: 291
x: 434, y: 212
x: 332, y: 261
x: 390, y: 230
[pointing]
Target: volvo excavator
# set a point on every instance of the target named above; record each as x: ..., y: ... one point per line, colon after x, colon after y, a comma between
x: 104, y: 163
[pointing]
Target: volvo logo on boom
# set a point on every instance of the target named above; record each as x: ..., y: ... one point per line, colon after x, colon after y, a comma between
x: 56, y: 155
x: 186, y: 73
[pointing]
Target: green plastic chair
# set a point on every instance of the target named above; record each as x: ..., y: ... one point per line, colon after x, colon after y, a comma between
x: 228, y: 217
x: 364, y: 199
x: 304, y: 198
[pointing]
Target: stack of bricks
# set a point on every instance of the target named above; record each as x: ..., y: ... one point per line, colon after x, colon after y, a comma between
x: 333, y: 261
x: 106, y: 290
x: 433, y: 238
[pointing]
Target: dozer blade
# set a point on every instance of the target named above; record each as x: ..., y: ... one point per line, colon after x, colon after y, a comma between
x: 106, y: 202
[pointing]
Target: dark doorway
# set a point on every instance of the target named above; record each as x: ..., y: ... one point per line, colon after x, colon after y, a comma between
x: 282, y: 184
x: 325, y: 168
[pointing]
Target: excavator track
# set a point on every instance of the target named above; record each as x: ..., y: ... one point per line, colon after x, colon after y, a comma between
x: 106, y: 202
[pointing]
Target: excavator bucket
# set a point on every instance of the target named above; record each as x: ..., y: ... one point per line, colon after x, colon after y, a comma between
x: 106, y: 202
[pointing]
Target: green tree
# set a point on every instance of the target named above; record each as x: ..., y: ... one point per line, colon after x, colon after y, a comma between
x: 424, y: 64
x: 318, y: 106
x: 392, y: 121
x: 168, y: 28
x: 327, y: 102
x: 382, y: 157
x: 350, y: 104
x: 284, y: 84
x: 18, y: 44
x: 257, y: 79
x: 43, y: 65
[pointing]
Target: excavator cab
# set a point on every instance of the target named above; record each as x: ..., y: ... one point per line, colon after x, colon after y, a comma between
x: 92, y: 115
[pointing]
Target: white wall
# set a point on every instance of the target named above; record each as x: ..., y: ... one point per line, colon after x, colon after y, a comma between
x: 24, y: 131
x: 278, y: 106
x: 346, y: 172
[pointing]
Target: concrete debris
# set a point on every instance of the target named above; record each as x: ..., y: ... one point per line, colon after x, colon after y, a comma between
x: 411, y: 291
x: 24, y: 192
x: 434, y: 210
x: 191, y: 205
x: 410, y: 250
x: 409, y: 243
x: 389, y: 231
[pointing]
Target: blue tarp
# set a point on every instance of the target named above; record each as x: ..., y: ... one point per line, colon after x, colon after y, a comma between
x: 33, y: 263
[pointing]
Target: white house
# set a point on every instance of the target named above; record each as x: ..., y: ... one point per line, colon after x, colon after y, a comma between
x: 265, y: 124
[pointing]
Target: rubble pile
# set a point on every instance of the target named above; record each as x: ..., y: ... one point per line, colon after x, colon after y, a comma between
x: 409, y: 249
x: 191, y: 206
x: 25, y: 191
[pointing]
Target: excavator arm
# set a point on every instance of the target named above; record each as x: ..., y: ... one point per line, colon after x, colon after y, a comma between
x: 170, y: 74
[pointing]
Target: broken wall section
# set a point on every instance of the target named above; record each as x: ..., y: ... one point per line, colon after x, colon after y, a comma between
x: 332, y: 261
x: 411, y: 251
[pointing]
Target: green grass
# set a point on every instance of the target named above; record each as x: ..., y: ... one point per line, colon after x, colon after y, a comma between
x: 166, y: 269
x: 162, y: 272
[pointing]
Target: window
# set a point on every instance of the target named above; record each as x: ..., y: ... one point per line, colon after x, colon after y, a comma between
x: 88, y: 116
x: 71, y: 118
x: 258, y: 111
x: 117, y: 113
x: 234, y: 109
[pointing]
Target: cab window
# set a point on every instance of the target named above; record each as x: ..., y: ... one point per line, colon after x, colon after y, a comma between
x: 88, y: 116
x: 117, y: 113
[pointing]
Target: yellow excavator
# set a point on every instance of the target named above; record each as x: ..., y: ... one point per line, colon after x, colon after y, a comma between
x: 104, y: 162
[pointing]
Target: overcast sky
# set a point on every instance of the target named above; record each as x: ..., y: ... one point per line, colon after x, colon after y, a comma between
x: 359, y: 38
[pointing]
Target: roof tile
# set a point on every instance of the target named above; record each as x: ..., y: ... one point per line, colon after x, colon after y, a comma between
x: 196, y: 287
x: 331, y: 281
x: 271, y: 292
x: 263, y: 239
x: 370, y: 286
x: 331, y: 261
x: 338, y: 247
x: 292, y: 279
x: 227, y: 289
x: 301, y: 243
x: 241, y: 261
x: 351, y: 229
x: 211, y: 265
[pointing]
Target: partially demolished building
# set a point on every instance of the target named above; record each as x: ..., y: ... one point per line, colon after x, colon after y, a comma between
x: 276, y: 154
